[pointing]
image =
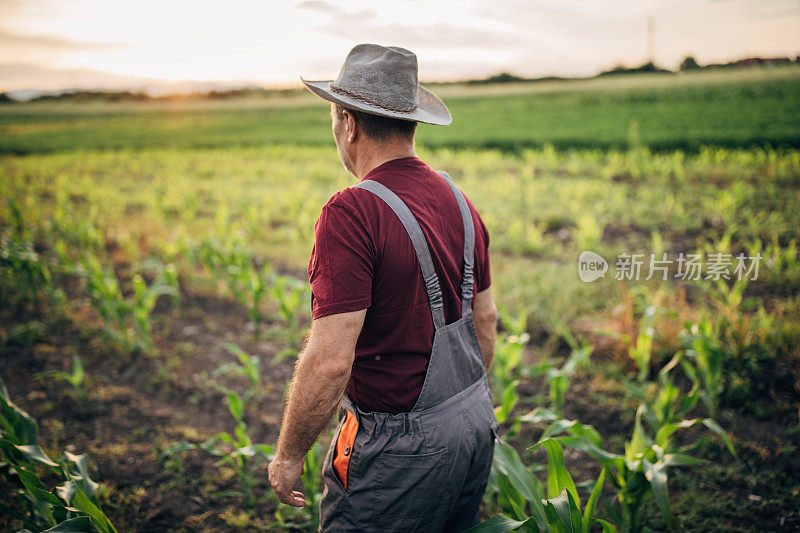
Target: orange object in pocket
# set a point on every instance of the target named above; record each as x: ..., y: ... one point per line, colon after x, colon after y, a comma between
x: 344, y: 447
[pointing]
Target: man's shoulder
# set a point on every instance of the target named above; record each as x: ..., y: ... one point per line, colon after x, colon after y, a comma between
x: 346, y: 199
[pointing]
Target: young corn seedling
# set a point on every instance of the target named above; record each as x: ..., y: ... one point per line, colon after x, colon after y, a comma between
x: 106, y: 297
x: 127, y: 319
x: 69, y: 506
x: 238, y: 449
x: 23, y: 273
x: 77, y: 379
x: 523, y: 496
x: 145, y: 298
x: 559, y: 377
x: 248, y: 366
x: 234, y: 267
x: 703, y: 349
x: 290, y: 294
x: 506, y: 365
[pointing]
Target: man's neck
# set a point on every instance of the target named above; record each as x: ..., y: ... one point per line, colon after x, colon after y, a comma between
x: 378, y: 155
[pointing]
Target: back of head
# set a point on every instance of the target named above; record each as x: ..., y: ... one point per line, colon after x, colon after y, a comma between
x: 380, y: 128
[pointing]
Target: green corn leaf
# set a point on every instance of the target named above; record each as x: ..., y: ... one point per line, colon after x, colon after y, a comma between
x: 666, y: 431
x: 558, y: 478
x: 606, y: 458
x: 99, y: 519
x: 28, y: 479
x: 235, y: 405
x: 78, y: 373
x: 638, y: 443
x: 608, y: 527
x: 554, y: 522
x: 499, y: 523
x: 80, y: 524
x: 656, y: 474
x: 80, y: 473
x: 711, y: 424
x: 18, y: 426
x: 679, y: 459
x: 593, y: 497
x: 66, y: 491
x: 47, y: 497
x: 31, y: 452
x: 509, y: 464
x: 561, y: 505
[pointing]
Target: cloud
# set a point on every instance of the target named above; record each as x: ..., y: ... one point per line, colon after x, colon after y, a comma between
x: 317, y: 5
x: 339, y: 16
x: 443, y: 35
x: 48, y: 43
x: 20, y: 76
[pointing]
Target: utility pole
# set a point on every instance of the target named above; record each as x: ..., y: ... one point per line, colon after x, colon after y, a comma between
x: 651, y: 36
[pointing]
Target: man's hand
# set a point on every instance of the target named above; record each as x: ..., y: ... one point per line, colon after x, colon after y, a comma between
x: 283, y: 476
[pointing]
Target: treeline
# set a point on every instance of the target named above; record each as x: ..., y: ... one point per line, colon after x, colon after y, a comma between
x: 689, y: 63
x: 141, y: 96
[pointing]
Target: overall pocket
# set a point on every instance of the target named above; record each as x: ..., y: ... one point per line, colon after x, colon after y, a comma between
x: 410, y: 486
x: 344, y: 448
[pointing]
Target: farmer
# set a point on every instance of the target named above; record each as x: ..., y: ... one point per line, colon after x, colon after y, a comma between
x: 403, y: 321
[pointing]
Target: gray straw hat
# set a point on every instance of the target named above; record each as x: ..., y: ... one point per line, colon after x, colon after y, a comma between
x: 382, y: 80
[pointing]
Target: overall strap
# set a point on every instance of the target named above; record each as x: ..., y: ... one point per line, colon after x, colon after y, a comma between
x: 420, y: 245
x: 469, y: 247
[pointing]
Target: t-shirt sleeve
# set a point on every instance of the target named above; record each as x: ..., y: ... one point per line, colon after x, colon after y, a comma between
x: 483, y: 272
x: 341, y: 266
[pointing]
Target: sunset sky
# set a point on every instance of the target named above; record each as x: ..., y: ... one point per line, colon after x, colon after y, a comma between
x: 60, y: 44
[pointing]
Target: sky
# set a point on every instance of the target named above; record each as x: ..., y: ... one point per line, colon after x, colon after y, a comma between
x: 146, y: 44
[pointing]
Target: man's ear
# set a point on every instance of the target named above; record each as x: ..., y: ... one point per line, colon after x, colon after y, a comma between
x: 350, y: 126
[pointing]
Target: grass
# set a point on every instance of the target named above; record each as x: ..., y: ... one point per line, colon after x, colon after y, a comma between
x: 668, y: 112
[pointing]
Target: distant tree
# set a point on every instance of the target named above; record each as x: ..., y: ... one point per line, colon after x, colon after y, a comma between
x: 5, y: 99
x: 503, y: 77
x: 689, y: 63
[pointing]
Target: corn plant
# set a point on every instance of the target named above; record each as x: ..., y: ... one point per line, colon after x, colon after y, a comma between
x: 506, y: 369
x: 127, y: 319
x: 665, y: 407
x: 23, y: 273
x: 233, y: 266
x: 642, y: 470
x: 703, y: 349
x: 523, y: 495
x: 107, y: 298
x: 145, y: 297
x: 238, y: 449
x: 290, y: 294
x: 248, y: 366
x: 558, y: 378
x: 78, y: 379
x: 641, y: 350
x: 69, y: 506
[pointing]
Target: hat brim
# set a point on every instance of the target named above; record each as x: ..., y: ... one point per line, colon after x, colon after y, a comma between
x: 431, y: 110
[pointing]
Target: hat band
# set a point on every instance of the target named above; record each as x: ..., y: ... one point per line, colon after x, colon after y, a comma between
x: 370, y: 101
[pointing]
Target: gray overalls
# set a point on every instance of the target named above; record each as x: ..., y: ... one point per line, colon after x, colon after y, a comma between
x: 424, y: 470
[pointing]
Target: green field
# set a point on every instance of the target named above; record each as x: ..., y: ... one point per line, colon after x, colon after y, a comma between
x: 663, y: 112
x: 210, y: 207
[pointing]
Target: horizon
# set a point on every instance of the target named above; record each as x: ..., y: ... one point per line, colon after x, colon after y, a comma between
x: 179, y: 48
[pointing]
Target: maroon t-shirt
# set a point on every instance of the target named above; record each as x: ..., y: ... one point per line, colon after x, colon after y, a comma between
x: 363, y: 259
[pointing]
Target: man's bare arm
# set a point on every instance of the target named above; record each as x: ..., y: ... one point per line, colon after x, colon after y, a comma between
x: 485, y: 316
x: 320, y: 377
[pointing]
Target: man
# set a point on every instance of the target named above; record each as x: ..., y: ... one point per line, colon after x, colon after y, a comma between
x: 396, y: 336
